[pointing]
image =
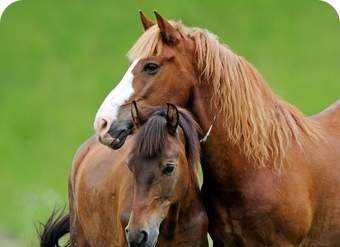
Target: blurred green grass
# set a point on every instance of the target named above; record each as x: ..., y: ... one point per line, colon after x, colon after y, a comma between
x: 58, y: 60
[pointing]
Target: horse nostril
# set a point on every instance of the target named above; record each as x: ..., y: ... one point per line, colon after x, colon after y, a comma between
x: 144, y: 236
x: 126, y: 230
x: 102, y: 124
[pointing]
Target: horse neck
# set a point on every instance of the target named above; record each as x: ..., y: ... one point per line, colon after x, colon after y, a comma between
x: 253, y: 127
x: 222, y: 151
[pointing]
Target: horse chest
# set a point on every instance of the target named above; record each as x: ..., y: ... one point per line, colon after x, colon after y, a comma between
x: 244, y: 210
x: 260, y: 210
x: 242, y: 221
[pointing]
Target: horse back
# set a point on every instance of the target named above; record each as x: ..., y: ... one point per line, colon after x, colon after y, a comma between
x: 330, y: 118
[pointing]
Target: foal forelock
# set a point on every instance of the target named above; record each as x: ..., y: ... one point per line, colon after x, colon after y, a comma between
x: 255, y: 118
x: 151, y: 137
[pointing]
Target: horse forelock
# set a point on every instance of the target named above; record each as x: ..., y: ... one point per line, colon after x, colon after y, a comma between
x: 255, y: 118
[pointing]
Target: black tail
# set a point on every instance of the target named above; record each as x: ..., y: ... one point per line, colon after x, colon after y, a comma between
x: 56, y: 227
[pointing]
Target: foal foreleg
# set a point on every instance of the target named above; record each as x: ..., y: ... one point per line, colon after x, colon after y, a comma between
x: 77, y: 237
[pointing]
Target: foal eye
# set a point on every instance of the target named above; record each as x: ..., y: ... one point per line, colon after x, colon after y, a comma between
x: 150, y: 68
x: 168, y: 169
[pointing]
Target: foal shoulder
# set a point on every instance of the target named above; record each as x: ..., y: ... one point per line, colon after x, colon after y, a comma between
x: 83, y: 149
x: 81, y: 153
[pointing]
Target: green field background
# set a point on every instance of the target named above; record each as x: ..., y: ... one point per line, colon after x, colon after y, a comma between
x: 58, y: 60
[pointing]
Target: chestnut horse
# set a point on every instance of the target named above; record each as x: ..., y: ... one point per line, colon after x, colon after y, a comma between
x: 145, y: 193
x: 271, y: 174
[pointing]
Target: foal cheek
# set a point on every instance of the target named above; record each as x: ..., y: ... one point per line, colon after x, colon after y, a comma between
x: 158, y: 209
x: 161, y: 212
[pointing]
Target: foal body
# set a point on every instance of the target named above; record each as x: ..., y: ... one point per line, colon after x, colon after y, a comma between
x: 103, y: 195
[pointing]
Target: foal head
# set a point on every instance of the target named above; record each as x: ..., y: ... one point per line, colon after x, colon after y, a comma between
x: 162, y: 161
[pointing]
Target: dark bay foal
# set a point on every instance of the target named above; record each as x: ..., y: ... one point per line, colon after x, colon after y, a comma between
x: 145, y: 194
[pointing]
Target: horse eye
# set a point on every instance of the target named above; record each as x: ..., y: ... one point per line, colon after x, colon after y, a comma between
x: 168, y: 169
x: 150, y: 68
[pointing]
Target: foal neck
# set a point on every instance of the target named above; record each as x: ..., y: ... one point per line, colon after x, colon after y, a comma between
x: 183, y: 215
x: 189, y: 205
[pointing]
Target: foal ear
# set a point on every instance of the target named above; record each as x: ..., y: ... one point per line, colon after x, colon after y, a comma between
x: 172, y: 118
x: 135, y: 114
x: 146, y: 22
x: 169, y: 34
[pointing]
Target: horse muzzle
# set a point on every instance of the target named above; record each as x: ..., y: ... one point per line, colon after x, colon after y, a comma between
x: 113, y: 134
x: 119, y: 136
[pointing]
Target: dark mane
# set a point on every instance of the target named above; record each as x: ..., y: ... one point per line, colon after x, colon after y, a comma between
x: 150, y: 139
x: 191, y: 131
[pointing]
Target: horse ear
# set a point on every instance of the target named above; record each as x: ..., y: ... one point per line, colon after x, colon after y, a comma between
x: 146, y: 22
x: 172, y: 118
x: 135, y: 114
x: 169, y: 34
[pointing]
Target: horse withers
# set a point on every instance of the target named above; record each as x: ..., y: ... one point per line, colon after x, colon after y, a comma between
x: 146, y: 194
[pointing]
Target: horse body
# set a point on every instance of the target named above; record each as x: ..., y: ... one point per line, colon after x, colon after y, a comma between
x: 249, y: 205
x: 299, y: 206
x: 270, y: 173
x: 103, y: 196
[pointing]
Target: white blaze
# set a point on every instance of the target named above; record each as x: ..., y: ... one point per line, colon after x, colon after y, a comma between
x: 117, y: 97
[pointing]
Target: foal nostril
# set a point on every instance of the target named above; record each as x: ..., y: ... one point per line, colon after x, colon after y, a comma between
x: 136, y: 237
x: 141, y: 237
x: 144, y: 237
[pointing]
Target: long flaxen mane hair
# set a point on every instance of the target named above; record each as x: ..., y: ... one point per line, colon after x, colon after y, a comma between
x: 255, y: 118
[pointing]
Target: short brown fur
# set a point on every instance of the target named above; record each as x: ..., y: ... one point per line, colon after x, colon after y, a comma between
x: 109, y: 194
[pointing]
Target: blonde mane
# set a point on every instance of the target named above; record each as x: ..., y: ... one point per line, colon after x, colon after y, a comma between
x: 256, y: 119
